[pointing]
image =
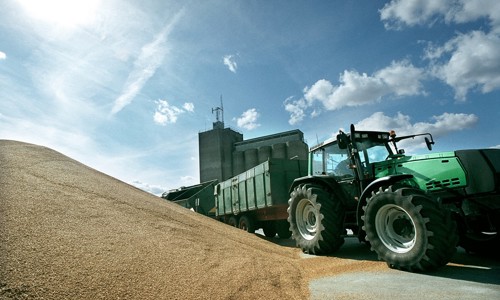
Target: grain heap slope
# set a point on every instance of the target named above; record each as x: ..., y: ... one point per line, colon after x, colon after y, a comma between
x: 70, y: 232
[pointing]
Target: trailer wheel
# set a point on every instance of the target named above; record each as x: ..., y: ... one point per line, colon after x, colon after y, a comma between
x: 233, y: 221
x: 480, y: 234
x: 269, y: 229
x: 283, y: 229
x: 247, y: 223
x: 409, y: 230
x: 316, y: 219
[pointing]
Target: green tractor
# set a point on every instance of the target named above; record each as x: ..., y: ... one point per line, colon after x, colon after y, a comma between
x: 413, y: 210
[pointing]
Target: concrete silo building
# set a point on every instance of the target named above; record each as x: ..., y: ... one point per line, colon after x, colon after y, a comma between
x: 216, y: 148
x: 224, y: 154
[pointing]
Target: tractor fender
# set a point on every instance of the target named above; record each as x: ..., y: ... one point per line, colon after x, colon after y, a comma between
x: 374, y: 186
x: 324, y: 180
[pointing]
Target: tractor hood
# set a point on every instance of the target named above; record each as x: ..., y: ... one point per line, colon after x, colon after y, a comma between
x: 431, y: 172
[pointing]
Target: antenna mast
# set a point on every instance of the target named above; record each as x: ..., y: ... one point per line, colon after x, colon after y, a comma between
x: 219, y: 115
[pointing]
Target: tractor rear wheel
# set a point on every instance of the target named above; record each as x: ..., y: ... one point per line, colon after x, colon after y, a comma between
x: 316, y: 219
x: 409, y: 230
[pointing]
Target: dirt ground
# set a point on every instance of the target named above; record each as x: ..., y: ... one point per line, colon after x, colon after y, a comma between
x: 70, y: 232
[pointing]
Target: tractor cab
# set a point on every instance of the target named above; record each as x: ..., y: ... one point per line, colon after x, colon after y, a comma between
x: 352, y: 157
x: 349, y: 157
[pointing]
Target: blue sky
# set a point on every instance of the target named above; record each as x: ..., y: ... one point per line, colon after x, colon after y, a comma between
x: 125, y: 86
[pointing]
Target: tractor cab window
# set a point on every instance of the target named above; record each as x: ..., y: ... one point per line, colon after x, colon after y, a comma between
x: 371, y: 152
x: 331, y: 160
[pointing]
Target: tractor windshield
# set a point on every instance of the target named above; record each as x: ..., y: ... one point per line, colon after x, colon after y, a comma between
x: 372, y: 152
x: 372, y: 147
x: 331, y: 160
x: 332, y: 157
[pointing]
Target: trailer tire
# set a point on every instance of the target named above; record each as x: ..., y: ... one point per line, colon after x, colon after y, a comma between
x: 269, y: 229
x: 232, y: 221
x: 316, y: 219
x: 283, y: 229
x: 409, y: 230
x: 477, y: 237
x: 247, y: 223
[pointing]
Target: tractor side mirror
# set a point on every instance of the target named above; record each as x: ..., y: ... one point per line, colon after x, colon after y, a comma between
x: 429, y: 143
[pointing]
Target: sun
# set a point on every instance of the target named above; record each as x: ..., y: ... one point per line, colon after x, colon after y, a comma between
x: 66, y: 13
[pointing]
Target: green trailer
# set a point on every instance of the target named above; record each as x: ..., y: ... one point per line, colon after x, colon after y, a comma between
x: 258, y: 197
x: 199, y: 198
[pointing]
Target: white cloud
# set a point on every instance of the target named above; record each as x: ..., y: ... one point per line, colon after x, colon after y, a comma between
x: 159, y: 190
x: 440, y: 126
x: 248, y: 119
x: 296, y: 109
x: 355, y: 89
x: 188, y: 180
x: 468, y: 61
x: 398, y: 13
x: 150, y: 59
x: 150, y: 188
x: 475, y: 9
x: 380, y: 122
x: 3, y: 55
x: 166, y: 113
x: 315, y: 113
x: 62, y: 13
x: 188, y: 106
x: 474, y: 62
x: 230, y: 63
x: 47, y: 132
x: 400, y: 79
x: 443, y: 124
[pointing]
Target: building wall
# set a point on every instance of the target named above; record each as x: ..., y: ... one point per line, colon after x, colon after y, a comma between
x: 285, y: 145
x: 269, y: 140
x: 224, y: 154
x: 215, y: 151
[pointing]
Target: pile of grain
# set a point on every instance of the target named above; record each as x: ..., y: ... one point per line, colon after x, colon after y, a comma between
x: 70, y: 232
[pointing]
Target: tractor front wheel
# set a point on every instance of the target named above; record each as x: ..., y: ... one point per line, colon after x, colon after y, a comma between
x: 409, y: 230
